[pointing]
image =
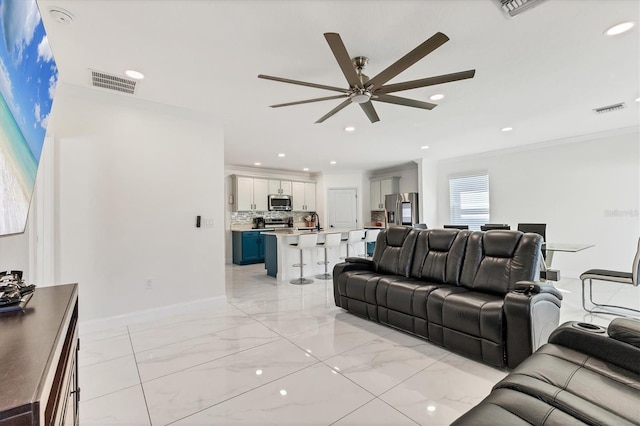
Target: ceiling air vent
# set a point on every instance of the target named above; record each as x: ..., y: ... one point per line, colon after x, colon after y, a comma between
x: 512, y: 8
x: 112, y: 82
x: 609, y: 108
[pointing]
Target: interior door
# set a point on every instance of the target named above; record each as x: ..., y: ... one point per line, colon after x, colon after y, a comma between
x: 342, y: 208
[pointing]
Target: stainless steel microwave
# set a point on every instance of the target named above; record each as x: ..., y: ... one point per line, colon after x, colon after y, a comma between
x: 280, y: 202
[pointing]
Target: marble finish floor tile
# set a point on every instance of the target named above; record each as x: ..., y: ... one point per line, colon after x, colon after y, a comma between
x: 375, y: 413
x: 290, y: 323
x: 444, y: 391
x: 314, y: 396
x: 167, y: 359
x: 177, y: 395
x: 384, y: 362
x: 124, y: 407
x: 185, y: 330
x: 107, y: 377
x: 95, y: 351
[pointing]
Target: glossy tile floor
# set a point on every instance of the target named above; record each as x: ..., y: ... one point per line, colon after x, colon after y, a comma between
x: 277, y: 355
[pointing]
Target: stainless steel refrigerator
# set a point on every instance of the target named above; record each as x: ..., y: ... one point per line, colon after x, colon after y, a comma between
x: 401, y: 209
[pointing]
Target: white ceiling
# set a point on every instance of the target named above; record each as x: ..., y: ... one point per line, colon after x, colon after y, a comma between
x: 540, y: 73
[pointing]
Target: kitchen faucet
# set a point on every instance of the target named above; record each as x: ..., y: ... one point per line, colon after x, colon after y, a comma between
x: 315, y: 216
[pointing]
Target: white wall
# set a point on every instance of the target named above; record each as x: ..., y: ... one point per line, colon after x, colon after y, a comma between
x: 573, y: 187
x: 131, y: 178
x: 14, y: 253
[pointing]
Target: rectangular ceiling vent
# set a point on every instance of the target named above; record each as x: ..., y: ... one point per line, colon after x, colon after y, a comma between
x: 609, y: 108
x: 112, y: 82
x: 511, y: 8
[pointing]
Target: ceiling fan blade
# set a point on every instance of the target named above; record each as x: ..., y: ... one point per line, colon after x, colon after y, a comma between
x: 327, y: 98
x: 303, y: 83
x: 404, y: 101
x: 424, y: 82
x: 368, y: 109
x: 343, y: 58
x: 435, y: 41
x: 333, y: 111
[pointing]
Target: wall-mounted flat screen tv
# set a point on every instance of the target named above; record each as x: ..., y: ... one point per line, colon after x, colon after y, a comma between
x: 28, y: 78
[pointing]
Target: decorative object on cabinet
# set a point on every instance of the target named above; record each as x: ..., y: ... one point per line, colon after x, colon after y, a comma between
x: 380, y: 188
x: 38, y: 351
x: 14, y: 294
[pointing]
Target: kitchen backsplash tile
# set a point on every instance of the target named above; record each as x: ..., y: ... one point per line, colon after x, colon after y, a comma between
x: 246, y: 218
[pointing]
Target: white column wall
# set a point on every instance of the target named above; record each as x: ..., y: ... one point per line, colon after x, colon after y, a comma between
x: 586, y: 191
x: 131, y: 178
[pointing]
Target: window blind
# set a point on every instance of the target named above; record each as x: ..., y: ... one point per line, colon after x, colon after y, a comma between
x: 469, y: 200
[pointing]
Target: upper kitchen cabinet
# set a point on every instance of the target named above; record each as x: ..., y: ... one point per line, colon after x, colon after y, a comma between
x: 380, y: 188
x: 280, y: 187
x: 250, y: 193
x: 304, y: 196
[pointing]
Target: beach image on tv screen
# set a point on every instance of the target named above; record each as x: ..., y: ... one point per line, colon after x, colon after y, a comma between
x: 28, y: 78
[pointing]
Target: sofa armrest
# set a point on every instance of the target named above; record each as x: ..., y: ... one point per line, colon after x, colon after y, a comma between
x: 532, y: 312
x: 534, y: 287
x: 358, y: 264
x: 594, y: 341
x: 626, y: 330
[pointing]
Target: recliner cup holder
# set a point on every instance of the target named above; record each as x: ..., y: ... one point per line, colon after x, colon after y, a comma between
x: 589, y: 327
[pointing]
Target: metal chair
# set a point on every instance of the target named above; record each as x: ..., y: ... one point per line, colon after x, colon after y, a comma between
x: 536, y: 228
x: 354, y: 236
x: 305, y: 241
x: 420, y: 225
x: 611, y: 276
x: 456, y: 227
x: 330, y: 240
x: 370, y: 236
x: 491, y: 226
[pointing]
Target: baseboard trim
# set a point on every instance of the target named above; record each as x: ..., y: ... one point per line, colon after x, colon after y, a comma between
x: 102, y: 324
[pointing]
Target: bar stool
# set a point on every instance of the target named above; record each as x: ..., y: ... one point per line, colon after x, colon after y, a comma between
x: 330, y: 240
x: 370, y: 236
x: 355, y: 236
x: 305, y: 241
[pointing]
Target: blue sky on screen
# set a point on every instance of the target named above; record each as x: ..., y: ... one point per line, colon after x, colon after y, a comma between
x: 28, y: 72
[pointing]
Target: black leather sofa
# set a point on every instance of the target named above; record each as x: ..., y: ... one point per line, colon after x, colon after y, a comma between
x: 584, y: 375
x: 471, y: 292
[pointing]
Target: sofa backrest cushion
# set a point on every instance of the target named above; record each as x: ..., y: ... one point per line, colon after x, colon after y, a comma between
x: 495, y: 260
x: 394, y: 250
x: 438, y: 255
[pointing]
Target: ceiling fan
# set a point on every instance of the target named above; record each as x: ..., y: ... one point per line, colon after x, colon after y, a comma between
x: 362, y: 90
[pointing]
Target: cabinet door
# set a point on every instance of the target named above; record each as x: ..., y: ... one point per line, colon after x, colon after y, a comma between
x: 250, y: 247
x: 297, y: 191
x: 310, y: 196
x: 285, y: 186
x: 260, y: 194
x: 376, y: 196
x: 274, y: 186
x: 244, y: 193
x: 386, y: 188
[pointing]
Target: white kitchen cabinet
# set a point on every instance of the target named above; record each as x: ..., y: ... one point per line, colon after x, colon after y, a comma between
x: 281, y: 187
x: 380, y: 188
x: 250, y: 194
x: 304, y: 196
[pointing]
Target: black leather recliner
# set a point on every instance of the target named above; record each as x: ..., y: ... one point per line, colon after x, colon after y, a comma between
x: 471, y: 292
x: 584, y: 375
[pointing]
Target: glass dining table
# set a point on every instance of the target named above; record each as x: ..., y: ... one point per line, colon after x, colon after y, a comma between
x: 550, y: 248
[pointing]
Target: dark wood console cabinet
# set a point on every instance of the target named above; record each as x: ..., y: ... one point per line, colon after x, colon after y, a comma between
x: 38, y: 360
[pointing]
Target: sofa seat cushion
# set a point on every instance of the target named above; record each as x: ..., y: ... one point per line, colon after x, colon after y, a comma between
x: 362, y: 285
x: 590, y: 389
x: 406, y: 295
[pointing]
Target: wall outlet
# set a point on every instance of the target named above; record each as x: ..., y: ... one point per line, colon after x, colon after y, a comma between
x: 148, y: 283
x: 208, y: 223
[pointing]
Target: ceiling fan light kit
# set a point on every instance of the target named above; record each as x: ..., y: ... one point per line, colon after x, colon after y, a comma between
x: 362, y: 90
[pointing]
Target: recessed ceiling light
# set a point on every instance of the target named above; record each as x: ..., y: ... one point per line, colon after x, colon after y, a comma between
x: 257, y: 163
x: 436, y: 97
x: 306, y: 169
x: 619, y: 28
x: 637, y: 99
x: 332, y: 162
x: 283, y: 392
x: 282, y: 154
x: 134, y: 74
x: 349, y: 129
x: 424, y: 147
x: 506, y: 129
